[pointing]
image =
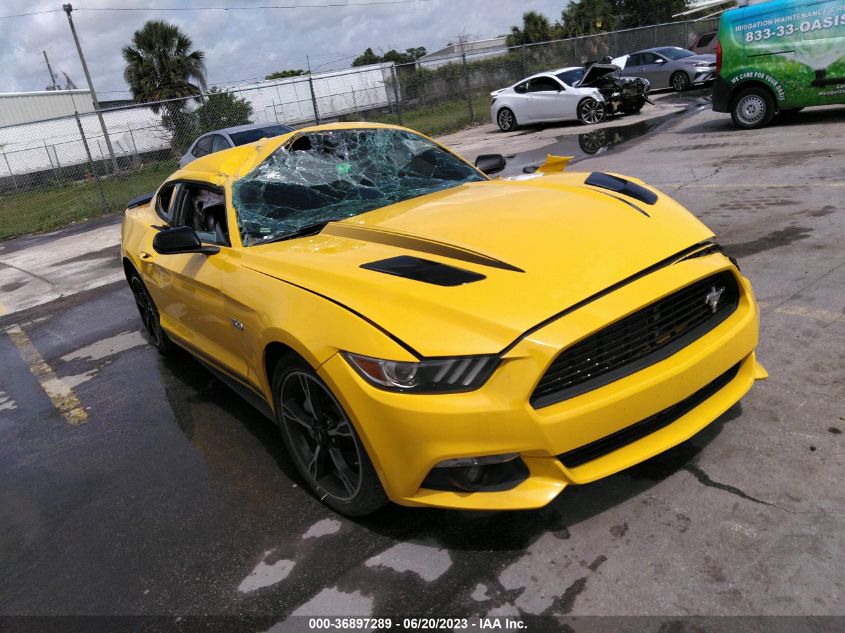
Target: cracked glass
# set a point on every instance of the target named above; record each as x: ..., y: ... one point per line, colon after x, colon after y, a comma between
x: 320, y: 177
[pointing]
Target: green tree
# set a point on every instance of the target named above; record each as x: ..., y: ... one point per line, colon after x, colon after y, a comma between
x: 634, y: 13
x: 221, y: 110
x: 366, y: 58
x: 284, y: 74
x: 409, y: 56
x: 535, y: 28
x: 585, y: 17
x: 161, y: 65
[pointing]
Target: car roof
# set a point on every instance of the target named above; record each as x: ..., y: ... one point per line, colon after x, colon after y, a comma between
x: 654, y: 49
x: 239, y: 160
x: 549, y: 73
x: 248, y: 126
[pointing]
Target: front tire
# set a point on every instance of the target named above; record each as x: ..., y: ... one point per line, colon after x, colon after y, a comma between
x: 752, y: 108
x: 591, y: 111
x: 321, y: 441
x: 506, y: 120
x: 679, y: 81
x: 149, y: 315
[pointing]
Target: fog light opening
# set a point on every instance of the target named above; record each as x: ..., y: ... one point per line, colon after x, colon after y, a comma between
x: 489, y: 473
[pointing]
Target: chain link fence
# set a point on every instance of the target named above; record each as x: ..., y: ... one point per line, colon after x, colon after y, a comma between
x: 56, y: 171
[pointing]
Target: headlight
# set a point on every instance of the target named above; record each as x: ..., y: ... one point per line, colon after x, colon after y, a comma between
x: 441, y: 375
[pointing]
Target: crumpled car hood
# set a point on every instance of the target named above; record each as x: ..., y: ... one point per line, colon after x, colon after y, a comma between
x: 561, y: 242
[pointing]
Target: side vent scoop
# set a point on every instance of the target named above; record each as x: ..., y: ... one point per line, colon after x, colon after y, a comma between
x: 423, y: 270
x: 621, y: 186
x: 139, y: 201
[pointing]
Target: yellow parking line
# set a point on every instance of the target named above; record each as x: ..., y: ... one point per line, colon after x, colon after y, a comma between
x: 62, y: 396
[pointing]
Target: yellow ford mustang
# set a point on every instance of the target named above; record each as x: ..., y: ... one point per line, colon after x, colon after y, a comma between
x: 424, y: 334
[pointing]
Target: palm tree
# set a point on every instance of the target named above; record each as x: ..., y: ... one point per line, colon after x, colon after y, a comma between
x: 161, y: 65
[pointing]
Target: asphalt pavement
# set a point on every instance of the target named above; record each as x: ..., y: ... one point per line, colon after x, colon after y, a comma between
x: 137, y: 485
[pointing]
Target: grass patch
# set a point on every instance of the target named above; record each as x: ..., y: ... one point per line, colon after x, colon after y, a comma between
x: 43, y: 210
x: 442, y: 118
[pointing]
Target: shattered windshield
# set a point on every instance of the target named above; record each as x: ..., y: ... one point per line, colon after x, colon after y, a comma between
x: 329, y: 175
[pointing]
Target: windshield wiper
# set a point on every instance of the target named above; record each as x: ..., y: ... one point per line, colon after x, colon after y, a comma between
x: 310, y: 229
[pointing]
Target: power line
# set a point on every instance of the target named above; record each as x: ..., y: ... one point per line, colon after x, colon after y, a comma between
x: 252, y: 8
x: 23, y: 15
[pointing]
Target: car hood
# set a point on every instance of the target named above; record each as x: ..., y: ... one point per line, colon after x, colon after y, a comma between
x: 695, y: 59
x: 596, y: 71
x: 540, y: 246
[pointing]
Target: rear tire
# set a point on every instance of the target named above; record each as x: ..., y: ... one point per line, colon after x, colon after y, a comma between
x: 679, y: 81
x: 591, y: 111
x: 149, y: 315
x: 506, y: 120
x: 752, y: 108
x: 322, y: 442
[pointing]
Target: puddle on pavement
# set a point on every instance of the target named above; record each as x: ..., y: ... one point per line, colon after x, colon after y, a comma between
x: 582, y: 146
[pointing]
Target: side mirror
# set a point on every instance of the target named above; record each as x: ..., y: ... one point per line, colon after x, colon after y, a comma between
x: 180, y: 239
x: 659, y: 60
x: 490, y: 163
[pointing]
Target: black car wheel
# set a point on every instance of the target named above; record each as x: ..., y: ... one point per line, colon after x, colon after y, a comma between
x: 506, y: 120
x: 149, y: 315
x: 322, y: 442
x: 680, y: 81
x: 752, y: 108
x: 591, y: 111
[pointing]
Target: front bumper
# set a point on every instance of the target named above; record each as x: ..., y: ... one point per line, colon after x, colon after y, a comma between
x: 702, y: 76
x: 407, y: 435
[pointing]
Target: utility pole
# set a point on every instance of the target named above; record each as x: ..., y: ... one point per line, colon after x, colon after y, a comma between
x: 313, y: 96
x: 53, y: 84
x: 68, y: 8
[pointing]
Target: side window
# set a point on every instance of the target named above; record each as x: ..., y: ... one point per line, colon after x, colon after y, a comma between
x: 165, y: 202
x: 203, y: 146
x: 204, y: 210
x: 521, y: 88
x: 219, y: 143
x: 543, y: 84
x: 634, y: 60
x: 648, y: 58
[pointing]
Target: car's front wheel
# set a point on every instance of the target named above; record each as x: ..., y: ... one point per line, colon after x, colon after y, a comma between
x: 680, y: 81
x: 149, y: 314
x: 591, y: 111
x: 324, y: 446
x: 506, y: 120
x: 752, y: 108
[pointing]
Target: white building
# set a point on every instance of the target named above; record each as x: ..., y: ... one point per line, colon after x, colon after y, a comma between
x: 26, y: 107
x: 492, y: 47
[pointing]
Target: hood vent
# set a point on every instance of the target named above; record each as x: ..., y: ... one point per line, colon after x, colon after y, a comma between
x: 621, y: 186
x: 424, y: 270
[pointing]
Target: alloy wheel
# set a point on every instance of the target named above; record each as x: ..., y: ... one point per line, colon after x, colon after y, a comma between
x: 146, y: 309
x: 321, y: 435
x: 591, y: 111
x: 680, y: 82
x: 505, y: 119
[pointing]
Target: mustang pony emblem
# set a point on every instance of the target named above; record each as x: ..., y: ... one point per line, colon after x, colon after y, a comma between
x: 712, y: 298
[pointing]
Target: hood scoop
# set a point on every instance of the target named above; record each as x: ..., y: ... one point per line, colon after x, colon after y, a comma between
x: 423, y: 270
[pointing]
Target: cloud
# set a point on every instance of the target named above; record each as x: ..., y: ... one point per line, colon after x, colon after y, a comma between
x: 238, y: 44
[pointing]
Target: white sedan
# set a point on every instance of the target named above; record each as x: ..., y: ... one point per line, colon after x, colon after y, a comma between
x: 549, y: 96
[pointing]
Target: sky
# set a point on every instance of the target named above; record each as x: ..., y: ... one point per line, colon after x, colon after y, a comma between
x: 239, y: 44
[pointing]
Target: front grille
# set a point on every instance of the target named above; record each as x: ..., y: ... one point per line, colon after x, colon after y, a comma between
x: 639, y: 430
x: 638, y: 340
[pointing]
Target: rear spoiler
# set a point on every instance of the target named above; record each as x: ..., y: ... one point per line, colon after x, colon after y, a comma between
x: 140, y: 201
